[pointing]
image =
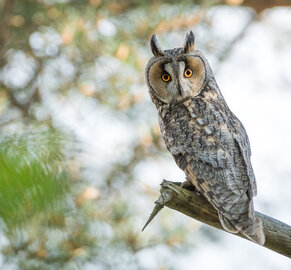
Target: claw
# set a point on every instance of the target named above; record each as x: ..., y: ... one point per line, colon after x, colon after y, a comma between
x: 188, y: 185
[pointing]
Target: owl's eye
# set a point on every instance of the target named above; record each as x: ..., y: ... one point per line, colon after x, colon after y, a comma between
x: 166, y: 77
x: 188, y: 72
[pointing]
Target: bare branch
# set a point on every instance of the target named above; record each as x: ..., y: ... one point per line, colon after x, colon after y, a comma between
x: 160, y: 202
x: 278, y: 234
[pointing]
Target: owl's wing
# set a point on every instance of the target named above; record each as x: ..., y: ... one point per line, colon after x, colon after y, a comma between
x: 212, y: 148
x: 213, y: 169
x: 217, y: 157
x: 221, y: 171
x: 243, y: 144
x: 217, y: 183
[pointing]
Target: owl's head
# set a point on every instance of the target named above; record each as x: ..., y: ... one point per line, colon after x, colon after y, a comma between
x: 176, y: 74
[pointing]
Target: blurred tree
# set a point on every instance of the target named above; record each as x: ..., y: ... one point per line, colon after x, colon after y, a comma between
x: 52, y: 216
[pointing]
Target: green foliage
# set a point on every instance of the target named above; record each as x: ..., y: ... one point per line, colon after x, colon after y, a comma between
x: 32, y: 178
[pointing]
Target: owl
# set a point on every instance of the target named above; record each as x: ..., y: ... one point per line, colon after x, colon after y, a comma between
x: 207, y: 141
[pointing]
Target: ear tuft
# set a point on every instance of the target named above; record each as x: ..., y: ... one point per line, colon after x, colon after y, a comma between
x: 189, y: 43
x: 155, y: 47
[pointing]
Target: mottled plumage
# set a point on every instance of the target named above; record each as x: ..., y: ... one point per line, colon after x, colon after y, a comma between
x: 206, y: 139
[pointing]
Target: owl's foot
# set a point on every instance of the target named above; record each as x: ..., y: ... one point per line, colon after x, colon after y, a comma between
x: 188, y: 185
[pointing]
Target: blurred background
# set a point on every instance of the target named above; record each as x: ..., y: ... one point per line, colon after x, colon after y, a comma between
x: 81, y: 156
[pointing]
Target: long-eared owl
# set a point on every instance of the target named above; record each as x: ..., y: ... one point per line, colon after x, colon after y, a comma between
x: 207, y: 141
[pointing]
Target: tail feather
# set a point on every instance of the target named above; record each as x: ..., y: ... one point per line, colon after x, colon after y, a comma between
x: 255, y: 232
x: 252, y: 228
x: 226, y: 224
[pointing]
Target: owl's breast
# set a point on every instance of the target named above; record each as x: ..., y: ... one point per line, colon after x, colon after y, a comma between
x: 198, y: 128
x: 176, y: 131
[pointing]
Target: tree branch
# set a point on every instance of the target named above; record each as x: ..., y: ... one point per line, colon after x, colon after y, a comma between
x: 277, y: 233
x: 261, y: 5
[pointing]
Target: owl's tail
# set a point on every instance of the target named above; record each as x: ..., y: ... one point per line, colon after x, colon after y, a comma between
x: 254, y: 232
x: 252, y: 229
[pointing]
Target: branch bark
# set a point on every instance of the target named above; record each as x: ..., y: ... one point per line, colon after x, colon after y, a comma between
x: 277, y: 233
x: 260, y: 5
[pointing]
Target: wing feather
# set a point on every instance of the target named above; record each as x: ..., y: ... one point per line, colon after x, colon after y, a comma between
x: 219, y: 164
x: 243, y: 144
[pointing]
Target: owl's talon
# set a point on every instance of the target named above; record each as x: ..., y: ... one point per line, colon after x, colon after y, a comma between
x: 188, y: 185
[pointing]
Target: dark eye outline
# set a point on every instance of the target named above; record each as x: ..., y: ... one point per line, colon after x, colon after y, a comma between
x: 188, y: 75
x: 167, y: 79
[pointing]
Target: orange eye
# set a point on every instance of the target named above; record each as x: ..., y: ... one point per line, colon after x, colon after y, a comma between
x: 188, y: 72
x: 166, y: 77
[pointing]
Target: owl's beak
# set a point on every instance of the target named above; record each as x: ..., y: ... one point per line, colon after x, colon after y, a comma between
x: 180, y: 91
